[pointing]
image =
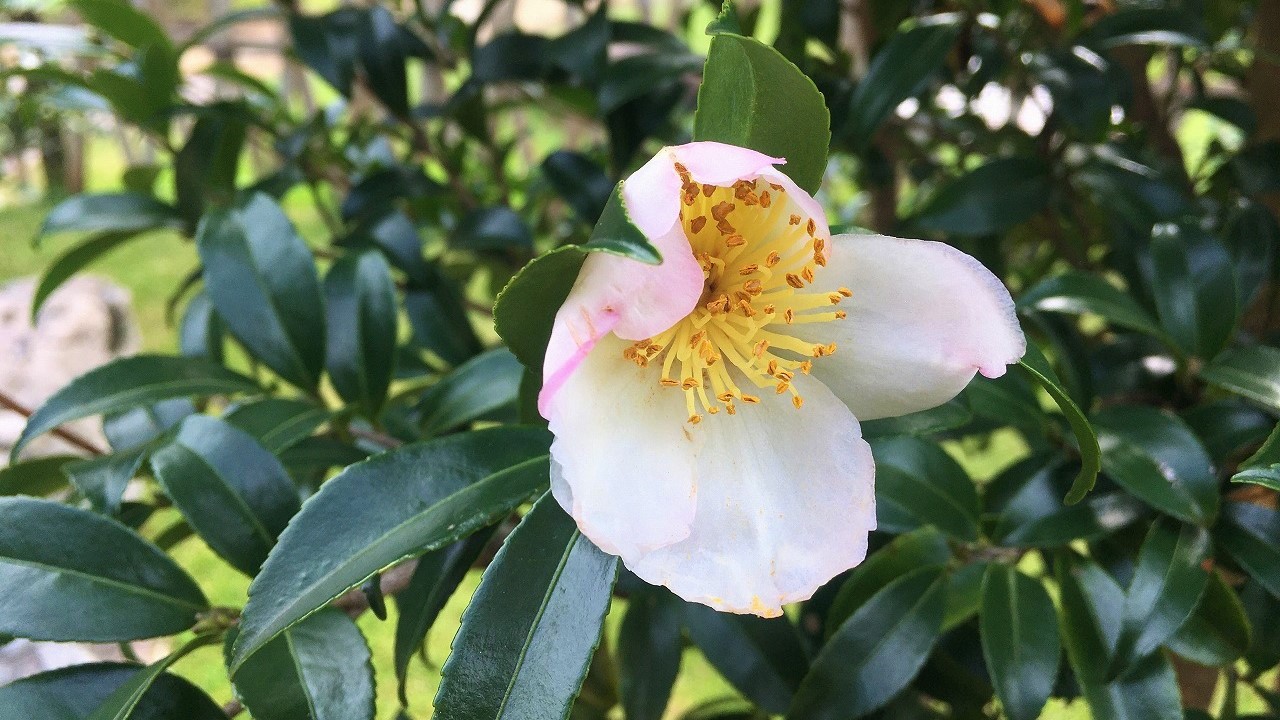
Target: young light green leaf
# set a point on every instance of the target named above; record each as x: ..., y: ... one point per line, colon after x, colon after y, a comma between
x: 1035, y: 364
x: 428, y: 495
x: 753, y: 97
x: 234, y: 492
x: 129, y: 382
x: 319, y: 669
x: 531, y: 628
x: 875, y: 653
x: 91, y: 580
x: 1018, y: 625
x: 262, y: 281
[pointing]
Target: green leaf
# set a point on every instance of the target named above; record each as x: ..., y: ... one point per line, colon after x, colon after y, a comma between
x: 1092, y: 608
x: 434, y: 580
x: 1251, y: 372
x: 103, y: 480
x: 1031, y: 513
x: 383, y: 55
x: 921, y: 484
x: 68, y: 574
x: 73, y: 261
x: 485, y: 383
x: 1076, y: 293
x: 121, y: 212
x: 1263, y: 467
x: 319, y: 669
x: 753, y: 97
x: 580, y: 181
x: 1035, y: 364
x: 1217, y: 633
x: 526, y: 307
x: 122, y: 21
x: 649, y: 650
x: 496, y: 228
x: 925, y: 547
x: 1262, y: 609
x: 129, y: 382
x: 531, y: 628
x: 277, y: 423
x: 614, y: 233
x: 1146, y: 26
x: 262, y: 281
x: 947, y: 416
x: 1019, y: 640
x: 122, y: 703
x: 987, y: 200
x: 428, y: 495
x: 751, y: 653
x: 1167, y: 584
x: 1155, y: 456
x: 1251, y: 536
x: 234, y: 492
x: 875, y: 653
x: 898, y: 71
x: 329, y: 44
x: 72, y: 693
x: 360, y: 305
x: 36, y: 477
x: 201, y: 332
x: 1194, y: 288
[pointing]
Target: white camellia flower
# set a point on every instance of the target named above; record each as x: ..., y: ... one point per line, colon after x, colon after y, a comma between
x: 705, y: 410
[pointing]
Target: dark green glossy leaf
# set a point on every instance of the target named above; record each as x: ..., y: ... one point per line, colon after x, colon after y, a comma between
x: 1028, y: 499
x: 36, y: 477
x: 614, y: 233
x: 207, y: 165
x: 277, y: 423
x: 1217, y: 633
x: 964, y: 594
x: 636, y: 76
x: 947, y: 416
x: 434, y: 580
x: 234, y: 492
x: 73, y: 261
x: 1193, y: 284
x: 262, y: 281
x: 429, y: 495
x: 753, y: 97
x: 1251, y: 536
x: 109, y: 212
x: 383, y: 52
x: 122, y: 21
x: 1229, y: 426
x: 1035, y: 364
x: 1155, y: 456
x: 1146, y: 26
x: 875, y: 653
x: 141, y: 425
x: 483, y: 384
x: 898, y: 71
x: 1262, y: 609
x: 201, y: 332
x: 72, y: 693
x: 1250, y: 372
x: 1076, y: 292
x: 649, y: 651
x: 580, y: 181
x: 531, y: 628
x: 122, y: 704
x: 1019, y: 640
x: 360, y: 307
x: 1166, y: 587
x: 750, y: 653
x: 1092, y: 610
x: 925, y: 547
x: 319, y: 669
x: 129, y: 382
x: 103, y: 480
x: 987, y: 200
x: 492, y: 228
x: 919, y: 478
x: 1263, y: 467
x: 92, y: 579
x: 329, y: 44
x: 526, y: 307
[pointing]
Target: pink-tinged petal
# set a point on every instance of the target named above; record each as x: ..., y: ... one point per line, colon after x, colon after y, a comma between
x: 622, y: 464
x: 717, y: 163
x: 785, y: 500
x: 923, y: 319
x: 629, y: 298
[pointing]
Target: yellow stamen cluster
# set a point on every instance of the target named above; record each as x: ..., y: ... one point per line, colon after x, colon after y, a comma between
x: 759, y: 256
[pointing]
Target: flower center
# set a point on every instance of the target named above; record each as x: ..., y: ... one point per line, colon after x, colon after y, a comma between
x: 759, y: 254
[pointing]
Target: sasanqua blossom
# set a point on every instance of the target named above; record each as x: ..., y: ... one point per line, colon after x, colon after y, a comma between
x: 705, y: 410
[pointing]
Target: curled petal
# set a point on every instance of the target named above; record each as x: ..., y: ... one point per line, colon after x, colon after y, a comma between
x: 922, y: 320
x: 785, y: 500
x: 621, y: 461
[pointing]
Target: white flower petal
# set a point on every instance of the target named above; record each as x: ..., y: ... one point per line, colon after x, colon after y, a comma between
x: 622, y: 463
x: 785, y: 499
x: 923, y: 319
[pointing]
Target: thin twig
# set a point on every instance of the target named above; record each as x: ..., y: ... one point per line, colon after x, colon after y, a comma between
x: 9, y: 403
